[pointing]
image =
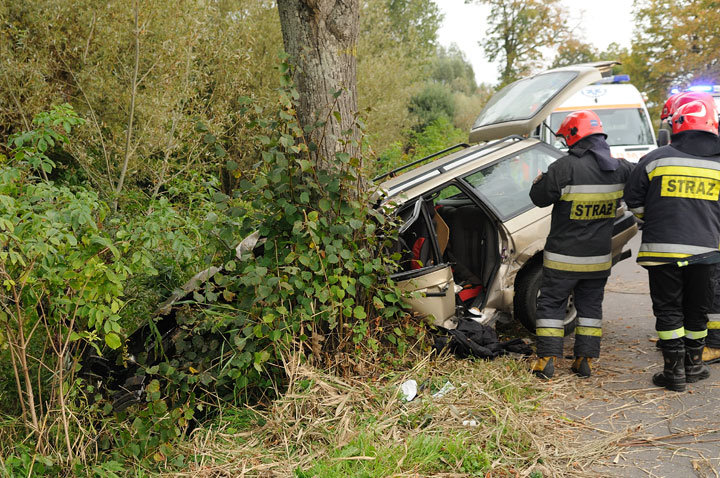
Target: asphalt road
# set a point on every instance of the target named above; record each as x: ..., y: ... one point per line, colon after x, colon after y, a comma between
x: 660, y: 433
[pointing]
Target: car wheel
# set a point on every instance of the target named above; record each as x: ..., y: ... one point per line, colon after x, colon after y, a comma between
x: 527, y: 290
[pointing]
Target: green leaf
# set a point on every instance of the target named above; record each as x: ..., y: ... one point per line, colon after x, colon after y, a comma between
x: 113, y: 340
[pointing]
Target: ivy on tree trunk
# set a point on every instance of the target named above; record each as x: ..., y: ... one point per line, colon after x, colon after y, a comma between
x: 321, y: 38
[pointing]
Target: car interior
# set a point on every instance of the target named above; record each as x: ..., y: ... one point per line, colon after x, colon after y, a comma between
x: 447, y: 227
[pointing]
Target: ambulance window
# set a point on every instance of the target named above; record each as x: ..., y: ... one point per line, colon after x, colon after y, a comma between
x: 624, y: 126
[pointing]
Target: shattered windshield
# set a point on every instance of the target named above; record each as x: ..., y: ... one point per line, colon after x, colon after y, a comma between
x: 506, y: 184
x: 623, y: 126
x: 522, y: 99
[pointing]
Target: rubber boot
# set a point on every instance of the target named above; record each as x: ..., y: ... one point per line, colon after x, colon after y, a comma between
x: 695, y: 368
x: 710, y: 355
x: 582, y: 366
x: 544, y: 367
x: 673, y: 375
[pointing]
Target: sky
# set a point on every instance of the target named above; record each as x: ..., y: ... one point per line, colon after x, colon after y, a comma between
x: 598, y: 22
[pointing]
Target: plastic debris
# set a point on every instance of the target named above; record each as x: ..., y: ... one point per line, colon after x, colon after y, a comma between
x: 470, y: 423
x: 409, y: 390
x: 448, y: 387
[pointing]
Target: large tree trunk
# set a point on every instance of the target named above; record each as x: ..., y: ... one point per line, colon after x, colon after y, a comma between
x: 321, y: 38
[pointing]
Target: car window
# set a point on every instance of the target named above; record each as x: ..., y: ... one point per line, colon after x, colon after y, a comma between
x: 623, y: 126
x: 506, y: 184
x: 522, y: 99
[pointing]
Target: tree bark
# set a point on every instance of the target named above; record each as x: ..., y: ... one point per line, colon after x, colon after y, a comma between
x: 321, y: 38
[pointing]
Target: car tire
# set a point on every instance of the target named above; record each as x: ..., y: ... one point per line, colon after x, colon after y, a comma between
x: 527, y: 290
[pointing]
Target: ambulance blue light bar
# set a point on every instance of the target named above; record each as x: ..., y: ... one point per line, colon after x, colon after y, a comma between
x: 613, y: 79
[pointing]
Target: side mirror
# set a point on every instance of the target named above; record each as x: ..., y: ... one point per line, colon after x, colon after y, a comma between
x: 663, y: 137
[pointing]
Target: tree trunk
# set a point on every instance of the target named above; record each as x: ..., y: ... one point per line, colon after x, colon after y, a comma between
x: 321, y: 38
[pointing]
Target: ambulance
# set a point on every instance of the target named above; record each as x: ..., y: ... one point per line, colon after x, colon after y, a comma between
x: 621, y: 109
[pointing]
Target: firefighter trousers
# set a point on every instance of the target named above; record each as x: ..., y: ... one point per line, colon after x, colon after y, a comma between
x: 552, y: 310
x: 681, y: 298
x: 713, y: 336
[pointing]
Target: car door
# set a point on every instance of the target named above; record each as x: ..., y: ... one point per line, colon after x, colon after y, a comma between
x: 424, y: 275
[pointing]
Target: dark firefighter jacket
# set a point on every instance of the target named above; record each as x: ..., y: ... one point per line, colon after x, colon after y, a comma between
x: 585, y: 186
x: 674, y: 190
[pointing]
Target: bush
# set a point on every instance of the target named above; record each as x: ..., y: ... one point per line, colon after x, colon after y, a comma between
x: 66, y: 266
x: 434, y: 102
x: 436, y: 136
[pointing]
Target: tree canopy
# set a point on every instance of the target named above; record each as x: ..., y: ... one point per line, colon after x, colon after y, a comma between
x: 518, y: 32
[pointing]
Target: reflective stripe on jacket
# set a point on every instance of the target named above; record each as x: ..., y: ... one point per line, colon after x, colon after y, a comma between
x: 585, y: 200
x: 676, y: 195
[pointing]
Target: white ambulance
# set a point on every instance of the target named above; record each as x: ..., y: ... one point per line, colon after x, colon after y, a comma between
x: 621, y: 109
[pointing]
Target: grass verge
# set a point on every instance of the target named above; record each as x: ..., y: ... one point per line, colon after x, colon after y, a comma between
x: 495, y: 422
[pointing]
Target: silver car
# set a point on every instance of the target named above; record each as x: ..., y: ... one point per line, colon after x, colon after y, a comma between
x: 472, y: 240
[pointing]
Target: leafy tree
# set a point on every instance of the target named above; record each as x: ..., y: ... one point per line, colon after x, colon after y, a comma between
x: 451, y: 68
x: 396, y: 46
x: 519, y: 30
x: 573, y: 51
x: 435, y: 101
x: 198, y: 63
x: 415, y: 22
x: 677, y: 42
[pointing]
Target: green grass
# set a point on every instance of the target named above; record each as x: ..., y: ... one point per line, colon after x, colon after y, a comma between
x: 367, y: 456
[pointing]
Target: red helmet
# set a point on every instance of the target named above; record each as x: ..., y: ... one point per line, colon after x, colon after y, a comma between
x: 669, y: 108
x: 578, y: 125
x: 697, y: 115
x: 688, y: 96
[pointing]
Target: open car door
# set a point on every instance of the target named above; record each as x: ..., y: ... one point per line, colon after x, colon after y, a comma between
x: 421, y: 242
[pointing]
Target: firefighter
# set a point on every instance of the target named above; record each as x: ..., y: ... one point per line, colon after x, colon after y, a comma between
x: 674, y: 190
x: 584, y: 187
x: 711, y: 352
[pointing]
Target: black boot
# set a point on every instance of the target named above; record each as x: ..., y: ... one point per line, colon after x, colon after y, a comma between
x: 695, y: 368
x: 673, y: 375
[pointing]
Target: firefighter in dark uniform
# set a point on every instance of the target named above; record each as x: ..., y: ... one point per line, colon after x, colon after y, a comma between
x: 585, y: 187
x: 711, y: 352
x: 674, y: 190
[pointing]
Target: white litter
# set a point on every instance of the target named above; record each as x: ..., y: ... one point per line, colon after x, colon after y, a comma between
x: 409, y: 390
x: 448, y: 387
x: 470, y: 423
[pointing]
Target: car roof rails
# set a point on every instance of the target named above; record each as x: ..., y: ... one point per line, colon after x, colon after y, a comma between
x: 513, y: 137
x: 409, y: 165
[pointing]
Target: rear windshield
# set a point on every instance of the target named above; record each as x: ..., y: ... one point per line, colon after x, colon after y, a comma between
x: 522, y: 99
x: 623, y: 126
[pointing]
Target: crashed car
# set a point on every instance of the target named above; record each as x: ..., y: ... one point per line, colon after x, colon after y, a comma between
x: 472, y: 240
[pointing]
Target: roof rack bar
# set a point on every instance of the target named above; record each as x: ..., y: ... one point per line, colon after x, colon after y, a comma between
x: 401, y: 168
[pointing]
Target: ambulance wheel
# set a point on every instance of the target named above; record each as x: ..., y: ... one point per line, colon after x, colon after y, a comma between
x: 527, y: 290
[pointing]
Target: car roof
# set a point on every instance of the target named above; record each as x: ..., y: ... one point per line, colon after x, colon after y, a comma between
x: 425, y: 178
x: 520, y: 107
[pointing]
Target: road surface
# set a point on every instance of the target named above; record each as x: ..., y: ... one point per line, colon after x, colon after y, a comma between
x: 665, y: 434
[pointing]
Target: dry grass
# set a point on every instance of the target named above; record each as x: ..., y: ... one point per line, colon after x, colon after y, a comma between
x: 323, y: 420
